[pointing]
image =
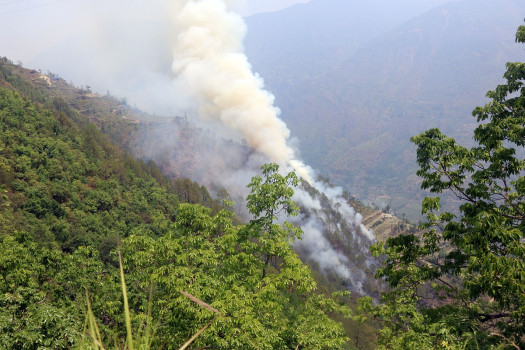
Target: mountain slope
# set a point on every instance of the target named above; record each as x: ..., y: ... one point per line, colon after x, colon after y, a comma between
x: 68, y: 194
x: 355, y: 114
x: 320, y: 34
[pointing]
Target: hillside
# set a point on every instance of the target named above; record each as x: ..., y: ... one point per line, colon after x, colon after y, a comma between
x: 70, y: 196
x: 71, y: 189
x: 178, y: 147
x: 289, y: 266
x: 355, y: 100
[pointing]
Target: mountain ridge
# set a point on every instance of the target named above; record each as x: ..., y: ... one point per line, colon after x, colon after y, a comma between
x: 430, y: 71
x: 60, y: 205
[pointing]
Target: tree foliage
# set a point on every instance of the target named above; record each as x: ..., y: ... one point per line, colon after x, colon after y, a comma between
x: 227, y: 267
x: 461, y: 284
x: 66, y: 195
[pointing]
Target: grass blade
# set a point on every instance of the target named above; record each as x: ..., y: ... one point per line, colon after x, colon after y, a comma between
x: 126, y: 305
x: 196, y: 335
x: 93, y: 330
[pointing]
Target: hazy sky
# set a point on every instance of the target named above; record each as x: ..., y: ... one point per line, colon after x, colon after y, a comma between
x: 124, y: 46
x: 247, y: 7
x: 28, y: 27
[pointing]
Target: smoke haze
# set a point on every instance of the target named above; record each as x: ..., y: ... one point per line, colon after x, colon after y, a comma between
x: 190, y: 60
x: 210, y: 65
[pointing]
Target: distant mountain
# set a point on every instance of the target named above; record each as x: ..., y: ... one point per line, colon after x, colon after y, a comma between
x: 356, y: 80
x: 322, y: 32
x: 247, y: 8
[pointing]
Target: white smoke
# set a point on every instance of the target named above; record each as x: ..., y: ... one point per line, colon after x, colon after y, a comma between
x: 212, y: 70
x: 315, y: 243
x: 321, y: 251
x: 335, y: 194
x: 209, y: 63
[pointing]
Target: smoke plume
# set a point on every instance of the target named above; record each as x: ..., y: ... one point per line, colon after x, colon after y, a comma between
x: 211, y: 68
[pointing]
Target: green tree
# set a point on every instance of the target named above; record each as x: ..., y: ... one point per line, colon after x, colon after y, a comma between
x: 269, y: 199
x: 67, y: 194
x: 461, y: 284
x: 30, y: 317
x: 227, y: 267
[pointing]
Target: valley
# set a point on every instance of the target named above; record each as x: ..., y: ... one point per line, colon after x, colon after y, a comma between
x: 354, y: 92
x: 175, y: 186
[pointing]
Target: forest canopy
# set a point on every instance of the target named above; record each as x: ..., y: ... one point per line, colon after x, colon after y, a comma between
x: 68, y: 196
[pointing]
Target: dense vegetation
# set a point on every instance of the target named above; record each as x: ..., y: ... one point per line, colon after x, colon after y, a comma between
x: 461, y: 285
x: 68, y: 196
